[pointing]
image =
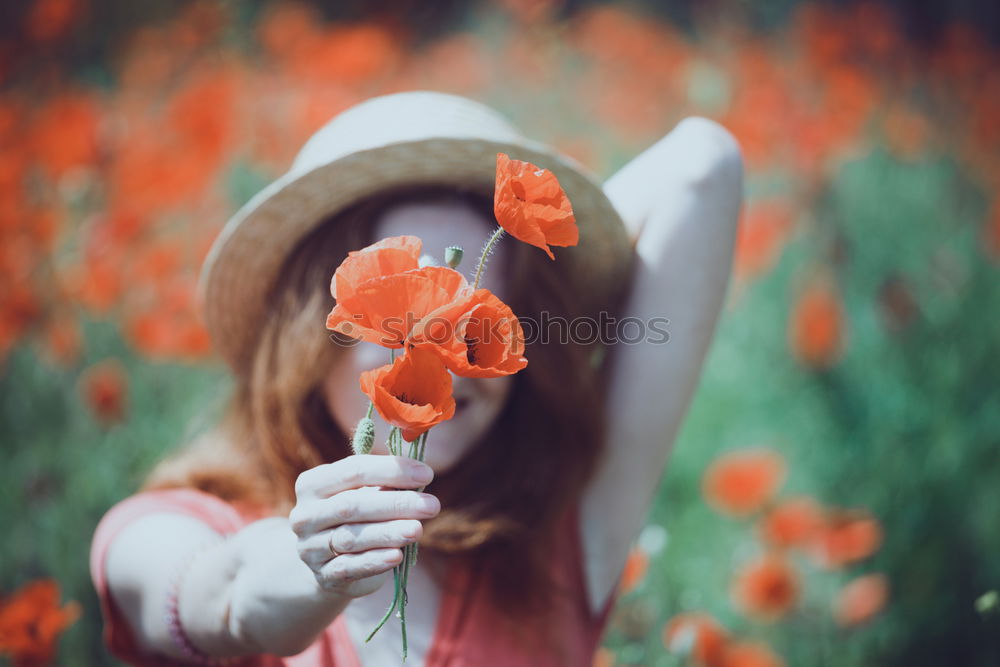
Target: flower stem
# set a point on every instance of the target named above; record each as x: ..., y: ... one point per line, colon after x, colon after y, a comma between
x: 401, y: 573
x: 420, y: 449
x: 392, y: 607
x: 421, y: 443
x: 482, y: 258
x: 405, y: 565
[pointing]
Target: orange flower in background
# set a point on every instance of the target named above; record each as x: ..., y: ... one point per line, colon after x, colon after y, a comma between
x: 530, y: 204
x: 199, y: 24
x: 861, y: 599
x: 19, y: 308
x: 763, y: 230
x: 381, y: 294
x: 62, y: 339
x: 43, y: 228
x: 349, y: 54
x: 98, y: 285
x: 767, y: 589
x: 104, y: 387
x: 200, y: 113
x: 845, y: 538
x: 50, y: 20
x: 156, y: 262
x: 478, y: 336
x: 792, y: 523
x: 167, y: 334
x: 307, y: 49
x: 636, y: 566
x: 696, y: 634
x: 459, y: 63
x: 603, y: 657
x: 64, y: 133
x: 162, y: 160
x: 739, y: 483
x: 31, y: 621
x: 284, y: 28
x: 749, y: 654
x: 815, y: 329
x: 167, y: 325
x: 414, y: 393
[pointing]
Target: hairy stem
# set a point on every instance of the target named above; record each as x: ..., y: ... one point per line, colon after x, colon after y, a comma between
x: 486, y: 252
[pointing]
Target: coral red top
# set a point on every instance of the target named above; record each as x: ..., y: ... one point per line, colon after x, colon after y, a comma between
x: 470, y: 631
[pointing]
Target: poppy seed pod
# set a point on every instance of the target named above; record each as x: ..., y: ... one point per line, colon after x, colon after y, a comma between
x: 453, y: 256
x: 364, y: 436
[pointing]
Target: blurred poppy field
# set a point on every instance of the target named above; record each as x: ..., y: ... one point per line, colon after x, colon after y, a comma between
x: 833, y: 497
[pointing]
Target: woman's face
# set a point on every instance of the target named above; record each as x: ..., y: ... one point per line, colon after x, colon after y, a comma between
x: 478, y: 401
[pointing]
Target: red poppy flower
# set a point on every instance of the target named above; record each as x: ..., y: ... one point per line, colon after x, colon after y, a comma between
x: 636, y: 566
x: 749, y: 654
x: 478, y: 336
x: 530, y: 204
x: 65, y: 132
x: 382, y: 293
x: 845, y: 538
x: 792, y: 523
x: 31, y: 621
x: 767, y: 588
x: 697, y: 634
x: 861, y: 599
x: 816, y: 326
x: 739, y: 483
x: 104, y: 387
x: 414, y: 393
x: 763, y: 230
x: 395, y: 254
x: 51, y: 20
x: 604, y: 657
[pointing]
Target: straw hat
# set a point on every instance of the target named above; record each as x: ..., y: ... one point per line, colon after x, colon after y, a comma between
x: 393, y: 140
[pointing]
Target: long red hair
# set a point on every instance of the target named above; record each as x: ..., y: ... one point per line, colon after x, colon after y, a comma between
x: 500, y: 505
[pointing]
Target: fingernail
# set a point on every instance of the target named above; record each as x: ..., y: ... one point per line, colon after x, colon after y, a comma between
x: 422, y: 474
x: 429, y: 503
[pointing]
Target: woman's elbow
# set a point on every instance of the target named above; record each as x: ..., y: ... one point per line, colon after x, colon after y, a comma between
x: 713, y: 163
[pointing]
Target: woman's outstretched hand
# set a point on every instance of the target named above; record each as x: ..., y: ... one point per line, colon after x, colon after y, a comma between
x: 353, y: 516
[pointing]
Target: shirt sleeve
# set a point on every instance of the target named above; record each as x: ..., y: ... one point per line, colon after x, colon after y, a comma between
x: 218, y: 514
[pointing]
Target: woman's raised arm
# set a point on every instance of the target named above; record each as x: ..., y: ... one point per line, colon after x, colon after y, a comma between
x: 680, y: 200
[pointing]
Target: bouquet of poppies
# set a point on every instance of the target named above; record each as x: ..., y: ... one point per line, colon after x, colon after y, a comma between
x: 440, y: 322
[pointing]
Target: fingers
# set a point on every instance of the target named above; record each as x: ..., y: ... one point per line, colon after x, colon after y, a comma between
x: 342, y: 508
x: 355, y: 538
x: 364, y: 505
x: 354, y: 472
x: 339, y: 573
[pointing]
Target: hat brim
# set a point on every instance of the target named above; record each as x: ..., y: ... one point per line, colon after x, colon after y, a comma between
x: 244, y: 261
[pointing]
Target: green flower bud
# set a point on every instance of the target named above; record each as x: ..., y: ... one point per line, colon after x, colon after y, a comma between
x: 453, y: 256
x: 364, y: 436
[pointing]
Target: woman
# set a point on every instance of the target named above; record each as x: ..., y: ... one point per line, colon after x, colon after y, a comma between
x: 267, y: 538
